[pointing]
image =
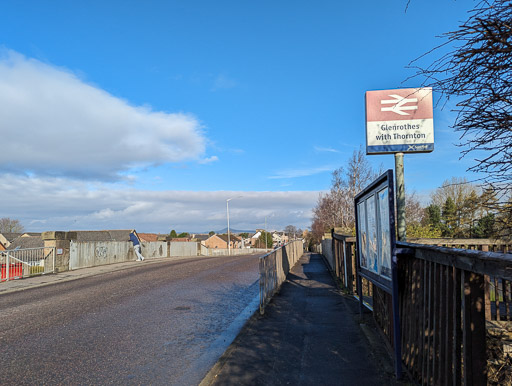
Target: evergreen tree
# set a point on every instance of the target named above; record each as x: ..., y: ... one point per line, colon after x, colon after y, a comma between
x: 448, y: 217
x: 265, y: 240
x: 485, y: 227
x: 433, y: 216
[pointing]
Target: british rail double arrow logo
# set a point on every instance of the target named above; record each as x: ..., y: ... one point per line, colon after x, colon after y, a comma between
x: 398, y: 103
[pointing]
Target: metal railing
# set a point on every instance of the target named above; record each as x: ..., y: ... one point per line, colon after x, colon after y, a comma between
x: 19, y: 263
x: 274, y: 267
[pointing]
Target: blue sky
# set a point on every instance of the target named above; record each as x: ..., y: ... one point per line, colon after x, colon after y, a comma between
x: 150, y: 114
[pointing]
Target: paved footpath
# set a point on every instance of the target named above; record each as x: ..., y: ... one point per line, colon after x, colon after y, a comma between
x: 309, y: 335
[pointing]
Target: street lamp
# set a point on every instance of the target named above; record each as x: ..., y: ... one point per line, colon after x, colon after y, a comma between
x: 227, y: 211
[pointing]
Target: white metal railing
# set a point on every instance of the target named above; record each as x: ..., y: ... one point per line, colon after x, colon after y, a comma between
x: 274, y: 267
x: 19, y: 263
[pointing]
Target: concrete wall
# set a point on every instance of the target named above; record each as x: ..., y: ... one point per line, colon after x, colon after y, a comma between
x: 184, y: 248
x: 328, y: 252
x: 274, y: 267
x: 154, y: 249
x: 82, y: 254
x: 234, y: 252
x: 61, y: 242
x: 90, y: 254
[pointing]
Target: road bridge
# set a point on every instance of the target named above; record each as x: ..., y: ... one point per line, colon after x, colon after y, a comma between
x: 158, y: 322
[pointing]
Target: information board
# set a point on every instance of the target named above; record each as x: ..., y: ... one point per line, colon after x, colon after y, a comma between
x: 375, y: 229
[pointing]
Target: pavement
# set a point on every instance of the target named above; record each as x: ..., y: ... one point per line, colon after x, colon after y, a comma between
x: 311, y: 334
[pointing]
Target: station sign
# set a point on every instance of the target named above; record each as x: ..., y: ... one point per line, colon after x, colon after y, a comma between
x: 399, y: 121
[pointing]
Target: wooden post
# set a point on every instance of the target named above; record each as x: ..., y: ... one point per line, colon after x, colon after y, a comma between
x: 488, y: 314
x: 449, y: 312
x: 457, y: 332
x: 475, y: 361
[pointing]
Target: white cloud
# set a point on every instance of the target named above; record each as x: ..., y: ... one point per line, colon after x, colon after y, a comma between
x: 294, y: 173
x: 208, y: 160
x: 66, y: 204
x: 325, y: 149
x: 53, y: 123
x: 223, y: 82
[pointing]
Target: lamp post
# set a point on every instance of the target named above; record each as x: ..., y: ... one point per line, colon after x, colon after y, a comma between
x: 227, y: 212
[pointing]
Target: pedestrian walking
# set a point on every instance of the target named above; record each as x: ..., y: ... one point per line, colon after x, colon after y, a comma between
x: 136, y: 245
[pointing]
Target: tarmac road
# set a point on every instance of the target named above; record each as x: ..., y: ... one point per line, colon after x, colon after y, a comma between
x: 161, y: 323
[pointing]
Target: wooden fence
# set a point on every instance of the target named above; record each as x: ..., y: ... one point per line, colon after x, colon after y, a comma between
x: 450, y: 300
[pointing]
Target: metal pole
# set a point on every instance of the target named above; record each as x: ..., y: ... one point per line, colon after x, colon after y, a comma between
x: 7, y: 269
x: 265, y: 230
x: 400, y: 195
x: 229, y: 242
x: 400, y: 208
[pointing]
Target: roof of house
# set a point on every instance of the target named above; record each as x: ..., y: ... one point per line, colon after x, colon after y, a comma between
x: 232, y: 238
x: 10, y: 237
x: 111, y: 235
x: 148, y: 236
x: 201, y: 237
x: 30, y: 234
x: 27, y: 242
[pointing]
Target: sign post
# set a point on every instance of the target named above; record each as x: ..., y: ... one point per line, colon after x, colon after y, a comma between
x: 399, y: 121
x: 400, y: 195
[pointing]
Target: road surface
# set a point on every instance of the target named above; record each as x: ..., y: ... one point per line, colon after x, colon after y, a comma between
x: 160, y: 323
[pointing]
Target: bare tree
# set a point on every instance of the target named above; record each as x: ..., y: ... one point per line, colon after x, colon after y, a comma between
x: 290, y: 230
x: 458, y: 189
x: 336, y: 208
x: 8, y: 225
x: 477, y: 73
x: 414, y: 211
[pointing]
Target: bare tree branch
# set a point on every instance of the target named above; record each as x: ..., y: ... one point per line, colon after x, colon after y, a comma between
x: 477, y: 72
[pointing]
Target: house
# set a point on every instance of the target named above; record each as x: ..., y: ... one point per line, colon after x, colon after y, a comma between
x: 6, y: 239
x: 148, y: 237
x: 25, y: 242
x: 221, y: 242
x: 279, y: 238
x: 254, y: 239
x: 200, y: 238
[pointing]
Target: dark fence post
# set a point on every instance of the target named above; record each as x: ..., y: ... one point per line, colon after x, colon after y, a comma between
x: 475, y: 359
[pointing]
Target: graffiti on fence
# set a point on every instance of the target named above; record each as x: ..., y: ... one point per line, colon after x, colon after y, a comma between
x: 101, y: 252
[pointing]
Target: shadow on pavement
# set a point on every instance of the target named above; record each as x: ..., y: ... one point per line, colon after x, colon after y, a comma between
x: 309, y: 335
